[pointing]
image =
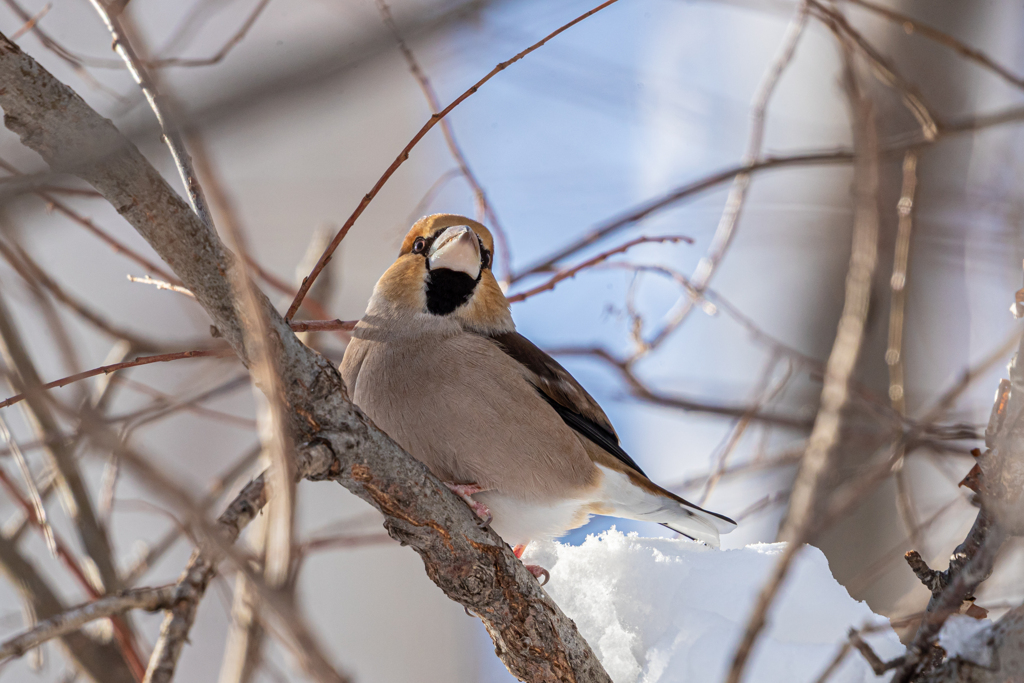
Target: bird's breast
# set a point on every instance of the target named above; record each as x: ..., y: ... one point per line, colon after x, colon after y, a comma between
x: 464, y: 408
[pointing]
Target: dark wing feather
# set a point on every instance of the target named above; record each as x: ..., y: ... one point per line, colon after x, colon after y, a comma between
x: 571, y: 401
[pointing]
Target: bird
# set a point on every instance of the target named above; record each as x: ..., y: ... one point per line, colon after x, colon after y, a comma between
x: 436, y: 362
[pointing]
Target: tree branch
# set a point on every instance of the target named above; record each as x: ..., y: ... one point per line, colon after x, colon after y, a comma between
x: 534, y: 639
x: 149, y: 599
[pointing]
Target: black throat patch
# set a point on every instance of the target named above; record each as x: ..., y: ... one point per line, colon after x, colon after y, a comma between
x: 447, y: 290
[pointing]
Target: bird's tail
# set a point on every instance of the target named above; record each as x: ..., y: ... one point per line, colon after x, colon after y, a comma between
x: 637, y: 497
x: 696, y: 523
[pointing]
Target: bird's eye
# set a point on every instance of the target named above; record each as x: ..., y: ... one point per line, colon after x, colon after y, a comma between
x: 419, y: 245
x: 485, y: 259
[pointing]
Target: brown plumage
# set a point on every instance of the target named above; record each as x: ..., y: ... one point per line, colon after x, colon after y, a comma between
x: 437, y: 364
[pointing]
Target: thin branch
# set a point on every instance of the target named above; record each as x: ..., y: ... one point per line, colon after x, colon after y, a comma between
x: 107, y: 369
x: 31, y: 22
x: 273, y: 418
x: 220, y: 484
x: 31, y: 271
x: 91, y: 532
x: 100, y: 661
x: 485, y: 209
x: 148, y: 599
x: 805, y: 498
x: 114, y: 244
x: 36, y: 512
x: 911, y: 25
x: 196, y: 578
x: 160, y: 284
x: 894, y: 352
x: 874, y: 661
x: 572, y: 272
x: 76, y: 62
x: 299, y: 326
x: 833, y: 665
x: 122, y: 631
x: 726, y: 230
x: 171, y: 405
x: 645, y: 393
x: 307, y: 282
x: 162, y: 107
x: 222, y: 52
x: 678, y: 194
x: 243, y: 649
x: 883, y: 68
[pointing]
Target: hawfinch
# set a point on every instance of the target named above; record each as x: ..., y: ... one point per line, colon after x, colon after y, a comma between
x: 436, y: 362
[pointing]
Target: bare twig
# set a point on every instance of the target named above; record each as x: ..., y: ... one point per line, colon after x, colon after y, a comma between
x: 484, y: 207
x: 107, y: 369
x: 678, y: 194
x: 148, y: 599
x: 91, y: 532
x: 833, y: 666
x: 883, y: 68
x: 124, y: 636
x: 272, y: 419
x: 228, y: 46
x: 873, y: 660
x: 726, y: 230
x: 114, y: 244
x: 76, y: 62
x: 30, y: 271
x: 911, y: 25
x: 242, y: 651
x: 216, y: 489
x: 31, y: 22
x: 37, y: 512
x: 160, y: 284
x: 894, y: 352
x: 163, y: 108
x: 404, y: 154
x: 645, y: 393
x: 100, y: 661
x: 804, y: 500
x: 603, y: 256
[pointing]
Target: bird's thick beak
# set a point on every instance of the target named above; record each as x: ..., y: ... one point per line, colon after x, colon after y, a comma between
x: 457, y: 248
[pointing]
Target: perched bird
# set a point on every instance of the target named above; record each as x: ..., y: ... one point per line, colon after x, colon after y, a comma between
x: 436, y: 362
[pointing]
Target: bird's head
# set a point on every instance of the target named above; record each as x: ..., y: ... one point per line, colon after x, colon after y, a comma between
x: 444, y: 271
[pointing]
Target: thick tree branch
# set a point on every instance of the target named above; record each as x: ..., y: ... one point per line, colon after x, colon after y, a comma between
x: 534, y: 639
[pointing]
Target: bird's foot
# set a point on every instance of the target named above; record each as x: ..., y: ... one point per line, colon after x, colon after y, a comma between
x: 465, y: 492
x: 539, y: 573
x: 535, y: 569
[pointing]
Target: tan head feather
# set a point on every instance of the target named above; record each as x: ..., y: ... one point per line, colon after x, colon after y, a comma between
x: 404, y: 284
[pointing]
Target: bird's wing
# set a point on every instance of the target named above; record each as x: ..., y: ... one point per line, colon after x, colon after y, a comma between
x: 580, y: 411
x: 574, y: 405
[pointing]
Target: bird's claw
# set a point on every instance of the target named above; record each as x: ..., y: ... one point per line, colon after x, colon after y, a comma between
x: 539, y: 572
x: 465, y: 492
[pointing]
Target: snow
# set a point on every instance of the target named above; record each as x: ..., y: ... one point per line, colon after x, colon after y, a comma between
x: 961, y: 637
x: 659, y: 610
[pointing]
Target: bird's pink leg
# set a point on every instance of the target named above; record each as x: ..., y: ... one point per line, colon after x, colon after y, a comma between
x: 465, y: 492
x: 534, y: 569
